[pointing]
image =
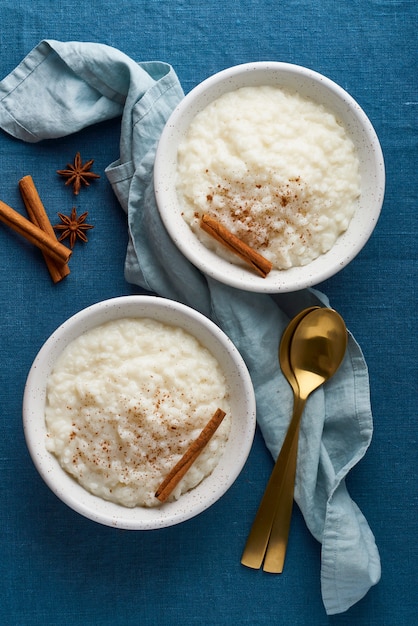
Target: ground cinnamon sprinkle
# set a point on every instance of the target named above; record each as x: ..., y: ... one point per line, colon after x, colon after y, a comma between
x: 240, y: 205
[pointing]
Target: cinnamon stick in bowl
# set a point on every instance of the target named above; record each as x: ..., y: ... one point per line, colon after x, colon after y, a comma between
x: 253, y: 258
x: 189, y: 457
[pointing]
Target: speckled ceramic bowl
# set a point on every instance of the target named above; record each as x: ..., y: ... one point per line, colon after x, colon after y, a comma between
x: 319, y: 89
x: 242, y: 408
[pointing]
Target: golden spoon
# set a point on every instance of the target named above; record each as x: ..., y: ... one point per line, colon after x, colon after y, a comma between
x: 257, y: 541
x: 300, y: 362
x: 316, y: 351
x: 277, y: 544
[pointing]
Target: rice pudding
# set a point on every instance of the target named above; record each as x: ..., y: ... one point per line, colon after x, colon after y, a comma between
x: 124, y: 402
x: 276, y: 169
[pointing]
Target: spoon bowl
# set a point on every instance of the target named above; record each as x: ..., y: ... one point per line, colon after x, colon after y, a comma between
x: 284, y: 348
x: 317, y: 348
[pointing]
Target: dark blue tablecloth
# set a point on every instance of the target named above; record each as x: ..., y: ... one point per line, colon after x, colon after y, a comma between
x: 57, y: 568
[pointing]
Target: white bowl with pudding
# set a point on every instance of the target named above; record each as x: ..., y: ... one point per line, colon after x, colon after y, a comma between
x: 281, y: 157
x: 118, y: 393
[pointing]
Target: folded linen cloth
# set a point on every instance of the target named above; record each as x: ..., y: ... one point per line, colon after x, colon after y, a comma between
x: 60, y: 88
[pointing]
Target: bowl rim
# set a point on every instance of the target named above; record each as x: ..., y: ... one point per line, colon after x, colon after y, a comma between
x: 191, y: 503
x: 362, y: 224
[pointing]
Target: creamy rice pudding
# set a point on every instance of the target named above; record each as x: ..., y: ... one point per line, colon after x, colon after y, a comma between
x: 124, y: 402
x: 276, y: 169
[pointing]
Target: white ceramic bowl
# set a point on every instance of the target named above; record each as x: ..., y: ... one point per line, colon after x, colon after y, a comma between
x: 319, y: 89
x: 242, y: 408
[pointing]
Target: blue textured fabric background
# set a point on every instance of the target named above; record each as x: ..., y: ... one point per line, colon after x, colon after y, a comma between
x: 58, y: 568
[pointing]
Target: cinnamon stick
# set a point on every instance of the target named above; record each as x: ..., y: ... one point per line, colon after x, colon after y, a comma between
x: 259, y: 263
x: 189, y: 457
x: 39, y: 217
x: 34, y: 234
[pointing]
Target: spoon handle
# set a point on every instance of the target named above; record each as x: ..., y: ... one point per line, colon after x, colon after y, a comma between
x: 277, y: 545
x: 257, y: 541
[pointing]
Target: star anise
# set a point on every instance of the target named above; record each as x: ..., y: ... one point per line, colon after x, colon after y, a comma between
x: 78, y: 173
x: 73, y: 227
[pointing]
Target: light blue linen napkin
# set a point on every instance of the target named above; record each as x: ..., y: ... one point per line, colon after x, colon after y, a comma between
x: 60, y: 88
